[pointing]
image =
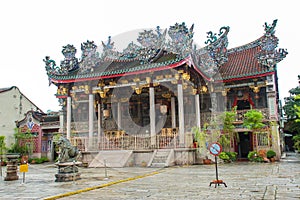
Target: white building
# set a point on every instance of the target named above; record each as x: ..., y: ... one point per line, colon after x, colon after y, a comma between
x: 13, y: 107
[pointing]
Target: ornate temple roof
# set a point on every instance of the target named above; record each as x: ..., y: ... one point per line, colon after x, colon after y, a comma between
x: 170, y: 48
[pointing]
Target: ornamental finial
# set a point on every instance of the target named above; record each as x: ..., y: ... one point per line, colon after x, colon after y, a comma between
x: 270, y: 29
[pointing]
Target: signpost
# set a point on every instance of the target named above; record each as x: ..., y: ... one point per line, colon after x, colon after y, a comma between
x: 215, y: 149
x: 24, y: 169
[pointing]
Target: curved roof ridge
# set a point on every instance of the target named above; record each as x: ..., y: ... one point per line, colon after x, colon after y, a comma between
x: 250, y: 45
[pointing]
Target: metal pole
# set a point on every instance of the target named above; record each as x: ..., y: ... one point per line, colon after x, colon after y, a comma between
x: 216, y: 168
x: 23, y: 177
x: 73, y: 171
x: 105, y: 171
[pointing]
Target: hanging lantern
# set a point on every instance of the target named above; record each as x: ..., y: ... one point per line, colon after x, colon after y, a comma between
x: 138, y: 90
x: 186, y: 76
x: 148, y: 80
x: 163, y: 109
x: 106, y: 113
x: 194, y: 91
x: 204, y: 89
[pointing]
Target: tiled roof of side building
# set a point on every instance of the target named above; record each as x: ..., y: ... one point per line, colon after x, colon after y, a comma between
x: 243, y: 64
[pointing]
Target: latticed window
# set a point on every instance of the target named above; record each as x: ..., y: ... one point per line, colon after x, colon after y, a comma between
x: 263, y: 139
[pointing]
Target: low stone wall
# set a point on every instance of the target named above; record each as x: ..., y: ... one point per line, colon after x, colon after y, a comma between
x: 140, y: 158
x: 185, y: 156
x: 182, y: 156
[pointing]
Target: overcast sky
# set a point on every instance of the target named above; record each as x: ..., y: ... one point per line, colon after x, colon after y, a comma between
x: 31, y: 30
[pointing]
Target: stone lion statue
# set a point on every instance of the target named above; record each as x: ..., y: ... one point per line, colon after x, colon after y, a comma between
x: 67, y: 152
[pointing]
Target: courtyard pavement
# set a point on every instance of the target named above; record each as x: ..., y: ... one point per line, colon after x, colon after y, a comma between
x: 244, y: 180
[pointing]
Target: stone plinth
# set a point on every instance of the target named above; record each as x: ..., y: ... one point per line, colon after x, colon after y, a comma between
x: 12, y: 167
x: 67, y: 171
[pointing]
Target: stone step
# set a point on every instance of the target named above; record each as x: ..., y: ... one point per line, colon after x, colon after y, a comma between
x: 160, y: 158
x: 158, y: 165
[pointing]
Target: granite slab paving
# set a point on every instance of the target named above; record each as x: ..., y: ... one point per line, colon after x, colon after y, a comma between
x: 245, y: 180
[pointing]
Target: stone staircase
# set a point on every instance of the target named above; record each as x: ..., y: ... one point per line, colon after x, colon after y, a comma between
x: 162, y: 158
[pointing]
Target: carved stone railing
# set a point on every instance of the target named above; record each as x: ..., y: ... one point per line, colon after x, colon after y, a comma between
x: 126, y: 142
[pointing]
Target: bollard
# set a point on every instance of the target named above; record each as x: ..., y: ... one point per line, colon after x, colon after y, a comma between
x: 73, y: 171
x: 105, y: 171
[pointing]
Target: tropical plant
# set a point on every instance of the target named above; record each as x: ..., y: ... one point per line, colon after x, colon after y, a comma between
x: 253, y: 120
x: 200, y: 137
x: 223, y: 155
x: 23, y: 143
x: 228, y: 156
x: 254, y: 156
x: 228, y: 117
x: 271, y: 153
x: 2, y: 145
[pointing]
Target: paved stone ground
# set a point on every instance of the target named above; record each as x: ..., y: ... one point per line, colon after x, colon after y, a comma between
x: 245, y: 180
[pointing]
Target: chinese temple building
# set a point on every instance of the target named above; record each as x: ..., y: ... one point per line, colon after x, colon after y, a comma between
x: 38, y: 130
x: 149, y: 96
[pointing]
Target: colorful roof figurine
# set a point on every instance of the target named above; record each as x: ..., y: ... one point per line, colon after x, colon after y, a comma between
x: 170, y: 48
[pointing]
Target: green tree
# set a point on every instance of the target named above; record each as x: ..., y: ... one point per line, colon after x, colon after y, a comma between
x: 23, y: 143
x: 291, y: 107
x: 2, y: 147
x: 200, y: 137
x: 228, y: 118
x: 290, y: 103
x: 253, y: 120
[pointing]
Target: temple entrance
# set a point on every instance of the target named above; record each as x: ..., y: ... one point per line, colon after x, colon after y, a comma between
x: 244, y: 145
x: 243, y: 105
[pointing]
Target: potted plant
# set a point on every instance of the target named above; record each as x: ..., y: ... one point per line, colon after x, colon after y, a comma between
x: 271, y: 155
x: 254, y: 156
x: 200, y: 144
x: 206, y: 161
x: 224, y: 156
x: 228, y: 156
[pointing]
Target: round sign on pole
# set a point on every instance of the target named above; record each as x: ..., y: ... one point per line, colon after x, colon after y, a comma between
x: 215, y: 148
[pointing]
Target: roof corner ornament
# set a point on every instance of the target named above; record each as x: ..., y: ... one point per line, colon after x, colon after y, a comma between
x: 109, y: 49
x: 270, y: 29
x: 269, y: 55
x: 50, y: 65
x: 217, y: 47
x: 90, y: 58
x: 181, y: 39
x: 211, y: 37
x: 70, y: 63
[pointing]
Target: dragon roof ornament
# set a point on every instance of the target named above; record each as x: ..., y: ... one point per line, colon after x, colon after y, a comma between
x: 90, y: 57
x: 70, y: 62
x: 153, y: 44
x: 212, y: 56
x: 269, y: 56
x: 181, y: 39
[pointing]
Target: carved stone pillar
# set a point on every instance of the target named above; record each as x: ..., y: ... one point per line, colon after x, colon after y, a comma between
x: 69, y: 114
x: 180, y: 115
x: 152, y: 116
x: 91, y: 121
